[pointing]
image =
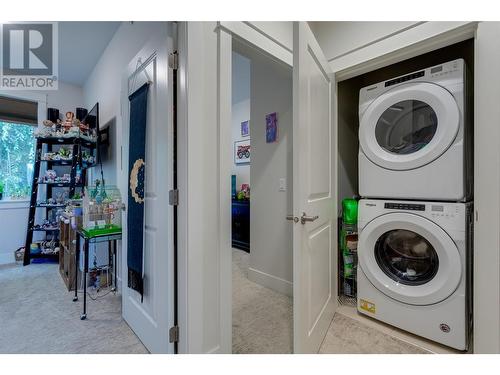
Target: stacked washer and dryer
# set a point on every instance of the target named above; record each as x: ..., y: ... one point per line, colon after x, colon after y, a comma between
x: 415, y: 215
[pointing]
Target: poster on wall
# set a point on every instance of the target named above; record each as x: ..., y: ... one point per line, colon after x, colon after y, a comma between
x: 271, y: 127
x: 245, y: 128
x: 242, y: 152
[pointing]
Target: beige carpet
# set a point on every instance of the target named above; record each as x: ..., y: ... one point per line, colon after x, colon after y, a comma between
x: 263, y: 323
x: 348, y: 336
x: 262, y: 318
x: 37, y: 315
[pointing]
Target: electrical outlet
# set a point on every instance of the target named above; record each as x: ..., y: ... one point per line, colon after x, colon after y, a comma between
x: 282, y: 184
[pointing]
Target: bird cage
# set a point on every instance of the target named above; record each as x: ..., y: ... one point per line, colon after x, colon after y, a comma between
x: 101, y: 210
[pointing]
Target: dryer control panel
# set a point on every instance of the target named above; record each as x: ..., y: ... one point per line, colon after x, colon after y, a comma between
x: 405, y: 206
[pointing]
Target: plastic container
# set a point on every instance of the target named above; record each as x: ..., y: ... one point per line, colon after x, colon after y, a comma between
x: 349, y: 211
x: 102, y: 210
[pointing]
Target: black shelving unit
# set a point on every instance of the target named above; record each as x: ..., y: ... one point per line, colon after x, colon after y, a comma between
x: 78, y: 145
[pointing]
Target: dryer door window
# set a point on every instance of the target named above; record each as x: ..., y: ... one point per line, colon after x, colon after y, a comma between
x: 410, y: 258
x: 409, y: 126
x: 406, y: 127
x: 406, y: 257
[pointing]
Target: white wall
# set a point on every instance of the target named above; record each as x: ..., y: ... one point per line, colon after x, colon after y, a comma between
x: 339, y: 38
x: 104, y: 85
x: 270, y: 261
x: 279, y: 31
x: 14, y: 215
x: 240, y: 111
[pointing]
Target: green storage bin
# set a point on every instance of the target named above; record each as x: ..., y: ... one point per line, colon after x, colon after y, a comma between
x: 349, y: 211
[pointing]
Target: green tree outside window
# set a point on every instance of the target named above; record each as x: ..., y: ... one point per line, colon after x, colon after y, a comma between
x: 17, y: 157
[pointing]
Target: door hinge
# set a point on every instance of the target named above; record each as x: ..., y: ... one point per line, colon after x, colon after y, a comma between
x: 173, y: 334
x: 173, y: 61
x: 173, y: 197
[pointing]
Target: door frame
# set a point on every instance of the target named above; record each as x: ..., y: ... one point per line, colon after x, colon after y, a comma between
x: 268, y: 45
x: 263, y: 42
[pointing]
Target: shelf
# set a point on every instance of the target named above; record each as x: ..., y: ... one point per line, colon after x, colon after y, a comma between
x: 43, y: 205
x: 45, y: 229
x: 57, y: 162
x: 68, y: 163
x: 59, y: 184
x: 41, y: 255
x: 67, y: 141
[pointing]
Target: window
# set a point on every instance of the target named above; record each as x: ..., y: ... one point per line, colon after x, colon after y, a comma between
x: 17, y: 157
x: 18, y: 119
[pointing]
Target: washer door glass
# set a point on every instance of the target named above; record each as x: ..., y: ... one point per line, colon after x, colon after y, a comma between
x: 406, y: 127
x: 409, y: 258
x: 406, y: 257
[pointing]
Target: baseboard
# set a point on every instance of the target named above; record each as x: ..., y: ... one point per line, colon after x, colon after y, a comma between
x: 269, y: 281
x: 7, y: 258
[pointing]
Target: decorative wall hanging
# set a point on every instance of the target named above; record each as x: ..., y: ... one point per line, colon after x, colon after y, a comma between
x: 271, y: 127
x: 242, y: 152
x: 137, y: 159
x: 245, y: 128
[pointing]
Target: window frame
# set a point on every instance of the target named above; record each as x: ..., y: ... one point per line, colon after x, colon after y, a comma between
x: 41, y: 100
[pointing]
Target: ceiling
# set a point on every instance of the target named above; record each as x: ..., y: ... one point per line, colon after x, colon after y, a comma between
x: 81, y: 44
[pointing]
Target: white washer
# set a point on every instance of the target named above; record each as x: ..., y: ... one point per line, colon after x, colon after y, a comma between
x: 414, y: 267
x: 414, y: 137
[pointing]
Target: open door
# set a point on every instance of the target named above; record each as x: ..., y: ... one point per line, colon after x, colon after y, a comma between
x: 314, y: 193
x: 152, y: 318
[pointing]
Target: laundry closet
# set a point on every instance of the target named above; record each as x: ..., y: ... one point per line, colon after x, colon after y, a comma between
x: 407, y: 259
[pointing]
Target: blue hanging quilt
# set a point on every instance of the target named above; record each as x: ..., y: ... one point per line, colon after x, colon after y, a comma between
x: 137, y: 159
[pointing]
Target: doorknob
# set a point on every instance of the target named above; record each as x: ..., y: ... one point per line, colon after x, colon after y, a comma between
x: 304, y: 218
x: 295, y: 219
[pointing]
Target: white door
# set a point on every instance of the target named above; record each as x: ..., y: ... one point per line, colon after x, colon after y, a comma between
x: 314, y: 193
x: 409, y: 258
x: 409, y: 126
x: 151, y: 319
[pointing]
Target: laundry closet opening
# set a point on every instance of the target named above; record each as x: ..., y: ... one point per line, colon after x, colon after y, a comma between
x: 261, y: 168
x: 388, y: 190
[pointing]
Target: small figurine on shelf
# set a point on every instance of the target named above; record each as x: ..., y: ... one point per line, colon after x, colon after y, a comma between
x: 60, y: 198
x: 68, y: 122
x: 64, y: 153
x: 50, y: 176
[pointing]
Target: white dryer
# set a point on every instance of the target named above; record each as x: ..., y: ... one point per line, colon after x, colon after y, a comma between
x: 415, y: 138
x: 414, y: 267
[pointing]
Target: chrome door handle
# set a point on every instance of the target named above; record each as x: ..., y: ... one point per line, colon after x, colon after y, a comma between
x: 295, y: 219
x: 304, y: 218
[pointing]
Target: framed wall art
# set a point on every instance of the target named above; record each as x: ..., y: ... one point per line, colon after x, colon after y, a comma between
x: 271, y: 127
x: 245, y: 128
x: 242, y: 152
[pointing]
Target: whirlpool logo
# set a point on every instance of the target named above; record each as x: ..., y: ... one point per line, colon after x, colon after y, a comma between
x: 29, y: 59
